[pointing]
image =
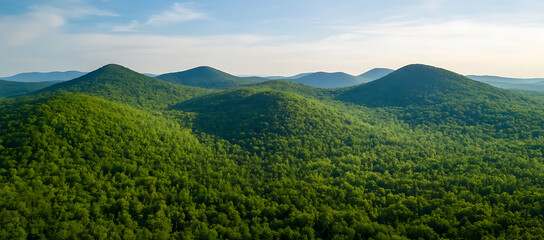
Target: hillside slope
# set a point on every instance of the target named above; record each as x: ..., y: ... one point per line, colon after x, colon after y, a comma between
x: 247, y: 113
x: 84, y: 167
x: 427, y: 96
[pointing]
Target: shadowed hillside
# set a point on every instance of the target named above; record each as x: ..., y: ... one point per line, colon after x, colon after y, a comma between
x: 10, y: 88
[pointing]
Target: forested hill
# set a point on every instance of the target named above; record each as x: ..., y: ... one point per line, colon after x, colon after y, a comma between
x: 421, y: 153
x: 424, y: 95
x: 207, y: 77
x: 419, y: 84
x: 258, y: 119
x: 120, y: 84
x: 296, y: 88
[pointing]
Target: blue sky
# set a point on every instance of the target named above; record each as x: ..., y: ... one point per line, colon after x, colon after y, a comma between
x: 273, y: 37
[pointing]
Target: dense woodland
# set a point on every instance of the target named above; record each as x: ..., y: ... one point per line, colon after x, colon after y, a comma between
x: 119, y: 155
x: 12, y: 88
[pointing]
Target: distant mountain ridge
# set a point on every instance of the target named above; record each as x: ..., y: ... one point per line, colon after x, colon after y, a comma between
x: 328, y: 80
x: 375, y: 73
x: 45, y: 76
x: 534, y: 84
x: 490, y: 78
x: 291, y: 77
x: 335, y: 79
x: 208, y: 77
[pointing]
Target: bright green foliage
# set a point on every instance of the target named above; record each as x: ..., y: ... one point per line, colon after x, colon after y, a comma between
x: 207, y: 77
x: 276, y: 160
x: 120, y: 84
x: 10, y: 88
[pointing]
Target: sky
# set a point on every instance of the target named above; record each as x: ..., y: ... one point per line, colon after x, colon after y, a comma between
x: 280, y: 37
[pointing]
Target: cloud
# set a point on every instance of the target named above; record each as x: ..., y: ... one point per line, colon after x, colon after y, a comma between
x: 74, y: 11
x: 35, y: 42
x: 127, y: 28
x: 43, y: 20
x: 465, y: 45
x: 20, y: 30
x: 177, y: 14
x: 452, y: 35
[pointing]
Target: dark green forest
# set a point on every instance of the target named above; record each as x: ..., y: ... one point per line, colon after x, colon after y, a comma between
x: 422, y: 153
x: 11, y: 88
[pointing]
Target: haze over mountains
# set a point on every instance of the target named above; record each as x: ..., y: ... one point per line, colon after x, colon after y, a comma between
x: 46, y: 76
x: 336, y: 79
x: 533, y: 84
x: 421, y: 153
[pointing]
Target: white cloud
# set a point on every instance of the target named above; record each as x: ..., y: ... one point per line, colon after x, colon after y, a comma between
x: 127, y: 28
x: 74, y: 11
x: 41, y: 21
x: 464, y: 45
x: 35, y: 42
x: 21, y: 30
x: 176, y: 14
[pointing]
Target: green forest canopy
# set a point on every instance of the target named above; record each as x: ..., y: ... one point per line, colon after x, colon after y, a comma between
x: 118, y: 155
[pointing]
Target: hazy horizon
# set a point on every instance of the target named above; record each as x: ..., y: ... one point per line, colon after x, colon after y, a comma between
x: 501, y: 38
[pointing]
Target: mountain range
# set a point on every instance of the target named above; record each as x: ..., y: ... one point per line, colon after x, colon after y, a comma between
x: 208, y: 77
x: 45, y: 76
x: 421, y: 153
x: 336, y: 79
x: 533, y: 84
